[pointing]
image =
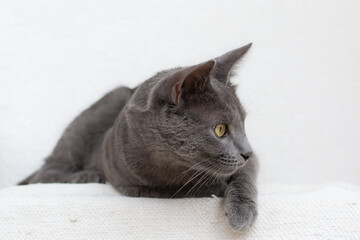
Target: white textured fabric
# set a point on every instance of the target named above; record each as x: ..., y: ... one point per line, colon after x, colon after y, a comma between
x: 95, y: 211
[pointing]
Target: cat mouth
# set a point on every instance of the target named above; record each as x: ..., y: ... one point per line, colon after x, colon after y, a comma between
x: 225, y: 166
x: 230, y: 167
x: 218, y: 166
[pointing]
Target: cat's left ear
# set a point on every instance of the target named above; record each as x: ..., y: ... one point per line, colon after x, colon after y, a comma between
x: 190, y: 80
x: 226, y: 63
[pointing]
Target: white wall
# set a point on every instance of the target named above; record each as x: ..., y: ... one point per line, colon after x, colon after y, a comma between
x: 300, y: 81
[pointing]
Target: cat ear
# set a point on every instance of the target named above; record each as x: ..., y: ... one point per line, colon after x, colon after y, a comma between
x: 225, y: 63
x: 191, y: 79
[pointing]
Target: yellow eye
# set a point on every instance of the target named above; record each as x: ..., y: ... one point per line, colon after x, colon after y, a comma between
x: 220, y: 130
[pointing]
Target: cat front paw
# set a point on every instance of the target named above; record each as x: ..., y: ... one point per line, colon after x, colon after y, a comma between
x: 241, y: 215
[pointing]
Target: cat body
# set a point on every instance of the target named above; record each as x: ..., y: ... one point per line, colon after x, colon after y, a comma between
x: 179, y: 134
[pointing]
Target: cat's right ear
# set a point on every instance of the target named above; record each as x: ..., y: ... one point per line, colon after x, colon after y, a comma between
x: 226, y: 63
x: 191, y: 80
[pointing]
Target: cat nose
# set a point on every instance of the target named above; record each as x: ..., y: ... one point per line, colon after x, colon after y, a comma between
x: 246, y: 155
x: 245, y: 148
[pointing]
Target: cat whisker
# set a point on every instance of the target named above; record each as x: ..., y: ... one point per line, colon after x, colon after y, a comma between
x: 195, y: 175
x: 204, y: 182
x: 214, y: 179
x: 182, y: 175
x: 206, y: 176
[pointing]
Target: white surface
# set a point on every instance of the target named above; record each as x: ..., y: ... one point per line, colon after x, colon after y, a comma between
x: 300, y: 81
x: 94, y: 211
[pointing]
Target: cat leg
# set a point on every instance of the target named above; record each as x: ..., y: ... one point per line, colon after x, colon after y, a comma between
x: 55, y: 171
x: 48, y: 176
x: 29, y: 179
x: 85, y: 176
x: 54, y: 175
x: 241, y: 197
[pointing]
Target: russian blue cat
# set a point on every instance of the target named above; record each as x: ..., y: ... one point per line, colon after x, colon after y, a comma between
x: 178, y: 134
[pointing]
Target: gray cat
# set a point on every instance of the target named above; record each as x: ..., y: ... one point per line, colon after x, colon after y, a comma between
x: 179, y: 134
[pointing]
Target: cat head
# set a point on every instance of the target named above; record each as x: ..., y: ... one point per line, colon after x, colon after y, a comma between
x: 200, y: 117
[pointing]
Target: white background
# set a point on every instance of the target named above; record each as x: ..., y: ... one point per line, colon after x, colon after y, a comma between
x: 300, y: 81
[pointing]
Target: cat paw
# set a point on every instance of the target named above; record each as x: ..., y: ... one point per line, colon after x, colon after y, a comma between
x: 85, y: 177
x: 241, y: 216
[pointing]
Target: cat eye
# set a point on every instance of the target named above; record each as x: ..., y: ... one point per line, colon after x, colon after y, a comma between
x: 220, y: 130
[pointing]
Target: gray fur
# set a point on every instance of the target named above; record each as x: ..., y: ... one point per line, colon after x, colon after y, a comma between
x: 158, y: 140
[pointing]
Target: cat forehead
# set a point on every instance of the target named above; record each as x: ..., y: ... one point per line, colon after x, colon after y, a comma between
x: 219, y: 100
x: 225, y: 93
x: 220, y: 103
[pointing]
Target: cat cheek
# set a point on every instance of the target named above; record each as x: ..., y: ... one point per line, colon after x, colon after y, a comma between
x: 228, y: 147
